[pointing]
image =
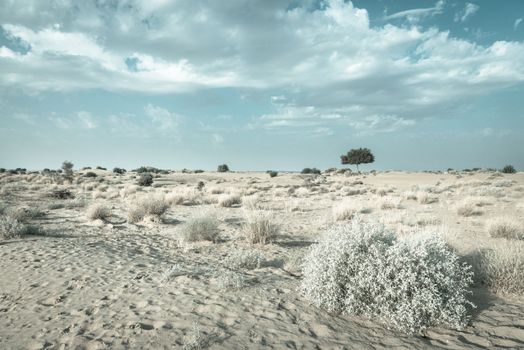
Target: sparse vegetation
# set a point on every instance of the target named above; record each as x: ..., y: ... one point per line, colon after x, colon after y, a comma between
x: 508, y: 169
x: 98, y: 212
x: 200, y: 228
x: 223, y: 168
x: 505, y: 227
x: 145, y: 179
x: 310, y: 171
x: 260, y: 226
x: 229, y: 200
x: 153, y: 206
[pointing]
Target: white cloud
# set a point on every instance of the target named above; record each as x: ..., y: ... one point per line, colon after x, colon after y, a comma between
x: 469, y: 10
x: 517, y: 23
x: 415, y: 15
x: 217, y: 139
x: 86, y: 120
x: 329, y: 59
x: 162, y: 119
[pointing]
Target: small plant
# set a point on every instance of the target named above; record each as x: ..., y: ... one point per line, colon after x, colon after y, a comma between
x: 468, y: 207
x: 90, y: 174
x: 200, y: 228
x: 244, y: 259
x: 508, y: 169
x: 61, y: 193
x: 272, y: 173
x: 98, y: 212
x: 100, y: 168
x: 223, y: 168
x: 229, y: 200
x: 260, y: 226
x: 153, y: 206
x: 310, y: 171
x: 145, y: 179
x: 505, y: 228
x: 200, y: 186
x: 410, y: 284
x: 11, y: 227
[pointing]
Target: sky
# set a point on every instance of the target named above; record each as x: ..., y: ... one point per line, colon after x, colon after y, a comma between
x: 258, y: 85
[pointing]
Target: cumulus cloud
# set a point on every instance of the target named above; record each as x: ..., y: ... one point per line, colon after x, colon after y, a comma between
x: 326, y: 63
x: 469, y: 10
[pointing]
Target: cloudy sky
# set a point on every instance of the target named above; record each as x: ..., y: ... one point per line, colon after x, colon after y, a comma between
x: 272, y: 84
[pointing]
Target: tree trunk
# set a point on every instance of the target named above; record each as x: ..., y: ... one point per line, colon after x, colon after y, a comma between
x: 358, y: 170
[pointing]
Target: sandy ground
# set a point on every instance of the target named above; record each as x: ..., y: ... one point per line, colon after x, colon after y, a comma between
x: 115, y: 285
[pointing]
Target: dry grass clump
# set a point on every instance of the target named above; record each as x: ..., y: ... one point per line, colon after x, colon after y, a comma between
x: 426, y: 198
x: 251, y: 202
x: 200, y: 228
x: 346, y: 209
x: 505, y: 227
x: 98, y: 211
x: 503, y: 183
x: 468, y: 207
x: 229, y: 200
x: 186, y: 196
x: 152, y: 205
x: 260, y: 226
x: 11, y: 227
x: 244, y: 259
x: 501, y: 266
x: 387, y: 203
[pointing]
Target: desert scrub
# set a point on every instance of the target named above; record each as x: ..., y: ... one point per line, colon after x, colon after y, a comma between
x: 409, y: 284
x: 468, y: 207
x: 260, y: 226
x: 153, y: 206
x: 145, y: 179
x: 346, y: 209
x: 11, y: 227
x: 98, y: 211
x: 505, y: 227
x: 200, y: 228
x: 501, y: 266
x: 229, y: 200
x: 244, y: 259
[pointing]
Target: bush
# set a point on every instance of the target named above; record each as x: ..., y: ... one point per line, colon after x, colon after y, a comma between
x: 101, y: 168
x: 506, y: 228
x: 260, y: 226
x: 508, y: 169
x: 90, y: 174
x: 98, y: 212
x: 228, y: 200
x: 61, y: 194
x: 202, y: 228
x: 310, y: 171
x: 145, y: 179
x: 223, y: 168
x: 501, y: 267
x: 409, y: 284
x: 119, y: 171
x: 272, y: 173
x: 154, y: 206
x: 244, y: 259
x: 67, y: 168
x: 11, y: 227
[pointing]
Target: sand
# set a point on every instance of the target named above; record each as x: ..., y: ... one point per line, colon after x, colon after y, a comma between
x: 115, y: 285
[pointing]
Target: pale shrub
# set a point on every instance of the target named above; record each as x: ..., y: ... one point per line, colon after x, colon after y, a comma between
x: 231, y: 280
x: 244, y: 259
x: 361, y: 269
x: 228, y: 200
x: 426, y: 198
x: 506, y: 228
x: 345, y: 210
x: 200, y: 228
x: 260, y: 226
x: 251, y: 202
x: 501, y: 266
x: 98, y: 212
x: 152, y: 205
x: 389, y: 203
x: 11, y: 227
x: 467, y: 207
x: 187, y: 196
x: 503, y: 183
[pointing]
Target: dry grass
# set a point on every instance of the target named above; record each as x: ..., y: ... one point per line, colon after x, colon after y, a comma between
x: 345, y: 210
x: 505, y: 227
x: 229, y: 200
x: 203, y: 227
x: 98, y: 211
x: 260, y: 226
x: 152, y: 205
x: 426, y: 198
x: 468, y: 207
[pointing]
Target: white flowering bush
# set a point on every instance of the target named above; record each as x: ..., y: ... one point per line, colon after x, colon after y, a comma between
x: 409, y: 284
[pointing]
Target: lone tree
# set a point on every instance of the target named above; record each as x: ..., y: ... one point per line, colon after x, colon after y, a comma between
x: 358, y: 156
x: 67, y: 168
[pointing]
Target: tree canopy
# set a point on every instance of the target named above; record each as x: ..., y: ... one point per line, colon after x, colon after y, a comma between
x: 358, y: 156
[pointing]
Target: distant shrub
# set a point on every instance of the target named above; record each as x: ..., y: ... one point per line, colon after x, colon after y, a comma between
x: 310, y: 171
x: 410, y: 284
x: 260, y: 226
x: 198, y: 171
x: 272, y: 173
x: 90, y: 174
x: 200, y: 228
x: 11, y: 227
x: 468, y: 207
x: 244, y: 259
x: 2, y: 170
x: 119, y: 171
x: 508, y: 169
x: 67, y: 168
x: 62, y: 193
x: 101, y: 168
x: 223, y: 168
x: 98, y: 212
x: 145, y: 179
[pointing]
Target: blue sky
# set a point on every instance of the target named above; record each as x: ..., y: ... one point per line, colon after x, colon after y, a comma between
x: 261, y: 84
